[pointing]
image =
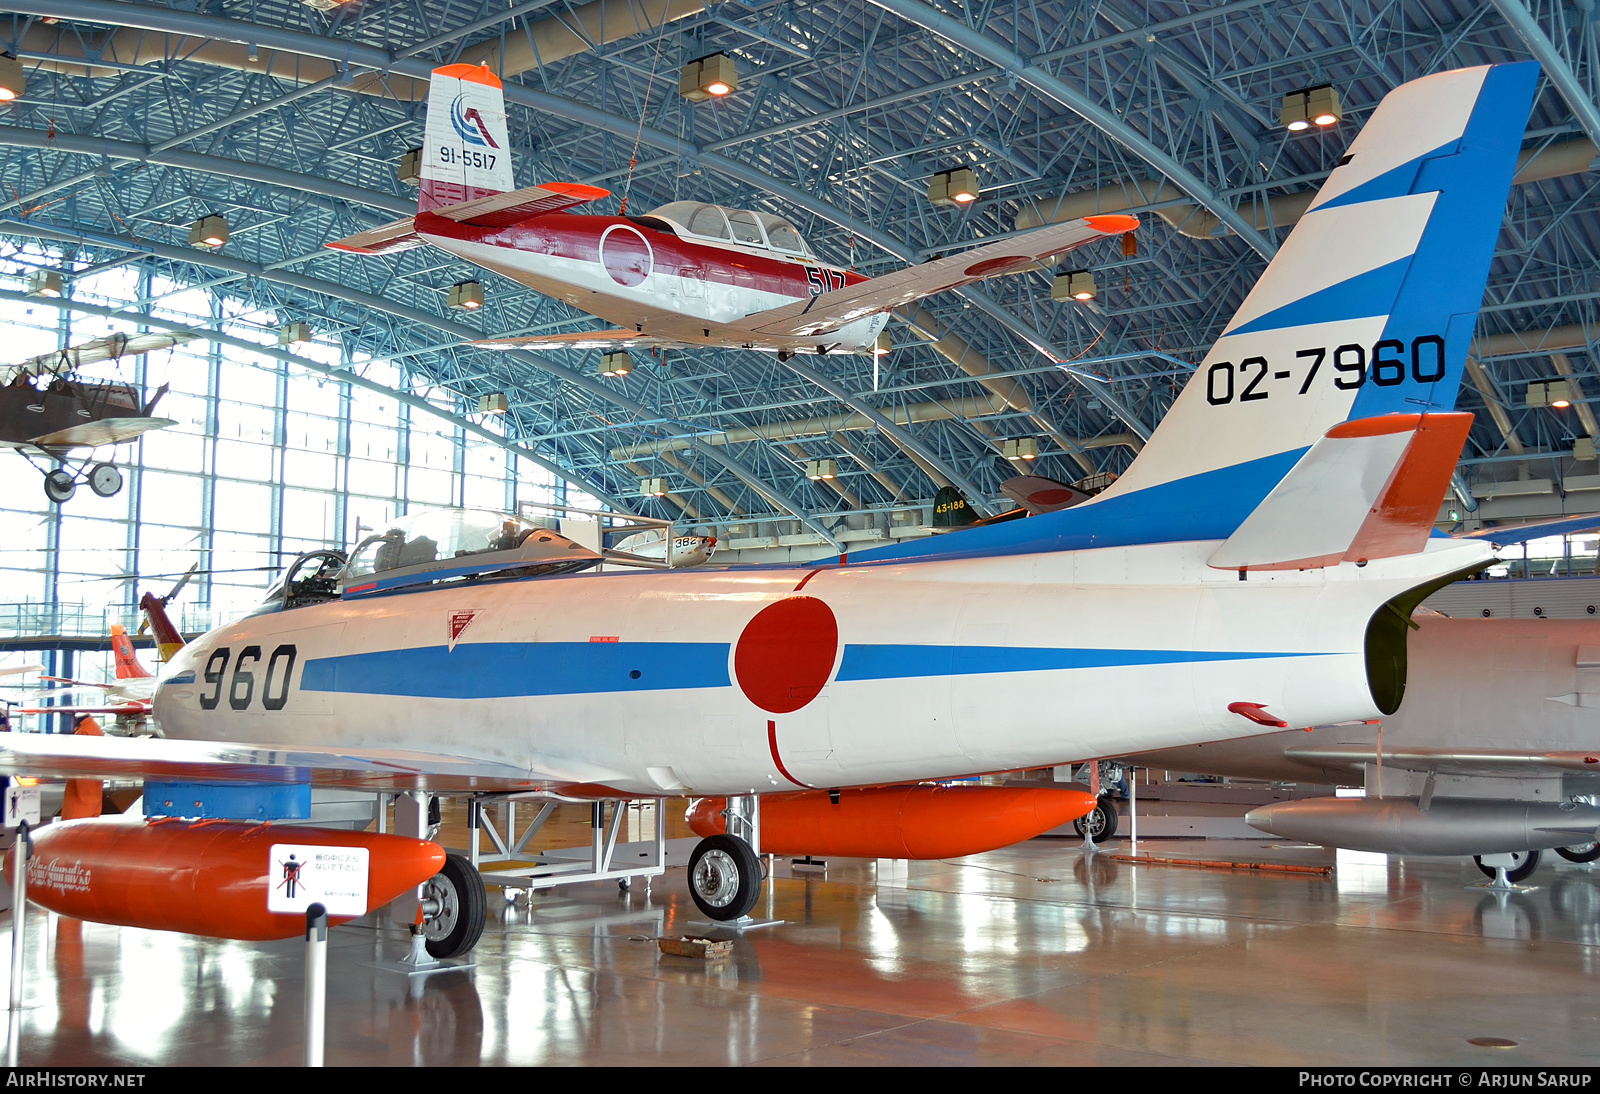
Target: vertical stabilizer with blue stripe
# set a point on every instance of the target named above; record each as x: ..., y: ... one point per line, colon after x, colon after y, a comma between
x: 1368, y: 309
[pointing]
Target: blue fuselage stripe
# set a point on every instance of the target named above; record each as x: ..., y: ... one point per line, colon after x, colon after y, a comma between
x: 898, y: 662
x: 502, y: 670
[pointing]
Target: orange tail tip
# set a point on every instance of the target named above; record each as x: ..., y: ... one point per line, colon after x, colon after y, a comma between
x: 1112, y: 223
x: 128, y: 666
x: 475, y: 74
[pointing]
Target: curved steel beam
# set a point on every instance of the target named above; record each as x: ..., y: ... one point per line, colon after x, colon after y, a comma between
x: 330, y: 289
x: 975, y: 497
x: 342, y: 375
x: 748, y: 477
x: 1555, y: 65
x: 109, y: 149
x: 1002, y: 56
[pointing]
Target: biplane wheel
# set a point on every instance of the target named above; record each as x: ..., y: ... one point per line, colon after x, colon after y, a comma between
x: 58, y: 486
x: 105, y: 480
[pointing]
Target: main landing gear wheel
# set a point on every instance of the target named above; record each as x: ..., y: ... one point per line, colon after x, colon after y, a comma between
x: 1100, y: 823
x: 1526, y: 863
x: 58, y: 486
x: 1584, y: 852
x: 454, y: 907
x: 105, y: 480
x: 724, y: 877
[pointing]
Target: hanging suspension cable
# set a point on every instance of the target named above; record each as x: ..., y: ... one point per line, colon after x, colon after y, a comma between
x: 649, y: 88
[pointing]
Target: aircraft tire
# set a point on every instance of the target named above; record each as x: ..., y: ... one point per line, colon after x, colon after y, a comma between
x: 1100, y: 823
x: 1520, y: 872
x: 59, y: 487
x: 105, y: 480
x: 1585, y: 852
x: 724, y: 877
x: 464, y: 908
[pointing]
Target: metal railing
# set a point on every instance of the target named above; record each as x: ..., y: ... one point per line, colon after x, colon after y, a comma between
x: 30, y: 619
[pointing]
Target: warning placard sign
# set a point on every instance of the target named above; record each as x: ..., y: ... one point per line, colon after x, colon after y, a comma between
x: 300, y: 875
x: 22, y: 804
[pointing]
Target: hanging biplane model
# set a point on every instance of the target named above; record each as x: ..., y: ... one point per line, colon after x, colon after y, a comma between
x: 49, y: 411
x: 685, y: 274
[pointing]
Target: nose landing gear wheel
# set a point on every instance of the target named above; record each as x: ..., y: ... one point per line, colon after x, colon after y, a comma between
x: 724, y: 877
x: 1100, y: 823
x: 455, y: 906
x: 59, y: 487
x: 1526, y: 863
x: 105, y: 480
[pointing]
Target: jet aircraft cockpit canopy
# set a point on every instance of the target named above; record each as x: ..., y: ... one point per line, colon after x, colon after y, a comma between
x: 442, y: 544
x: 741, y: 226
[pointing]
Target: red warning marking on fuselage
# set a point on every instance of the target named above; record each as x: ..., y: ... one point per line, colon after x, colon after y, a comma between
x: 605, y: 638
x: 772, y: 743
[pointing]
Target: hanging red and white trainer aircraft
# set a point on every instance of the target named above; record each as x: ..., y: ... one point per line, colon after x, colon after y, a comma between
x: 687, y: 273
x: 1255, y: 568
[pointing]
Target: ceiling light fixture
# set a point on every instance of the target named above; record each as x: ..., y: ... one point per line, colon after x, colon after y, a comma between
x: 210, y: 232
x: 712, y: 77
x: 1077, y: 285
x: 466, y: 296
x: 954, y: 187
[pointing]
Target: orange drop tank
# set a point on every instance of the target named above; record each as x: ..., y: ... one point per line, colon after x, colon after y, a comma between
x: 198, y: 877
x: 921, y: 821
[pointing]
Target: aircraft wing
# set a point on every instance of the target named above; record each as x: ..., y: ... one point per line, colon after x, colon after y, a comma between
x: 103, y: 432
x: 51, y: 755
x: 128, y: 708
x: 832, y: 310
x: 1453, y: 761
x: 109, y: 348
x: 607, y: 340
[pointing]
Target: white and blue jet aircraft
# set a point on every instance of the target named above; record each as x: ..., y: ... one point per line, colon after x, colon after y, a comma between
x: 1253, y: 569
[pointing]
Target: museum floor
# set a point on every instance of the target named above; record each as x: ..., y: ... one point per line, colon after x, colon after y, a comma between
x: 1035, y: 954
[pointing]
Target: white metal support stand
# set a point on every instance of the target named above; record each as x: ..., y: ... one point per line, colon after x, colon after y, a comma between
x: 19, y: 909
x: 316, y: 983
x: 1133, y: 808
x: 606, y: 858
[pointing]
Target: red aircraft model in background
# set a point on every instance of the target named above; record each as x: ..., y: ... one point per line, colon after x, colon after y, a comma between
x: 685, y: 274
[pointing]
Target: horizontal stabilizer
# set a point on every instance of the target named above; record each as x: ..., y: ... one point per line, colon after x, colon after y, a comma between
x: 398, y: 236
x: 514, y: 206
x: 832, y: 310
x: 1521, y: 533
x: 607, y: 340
x: 1368, y: 489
